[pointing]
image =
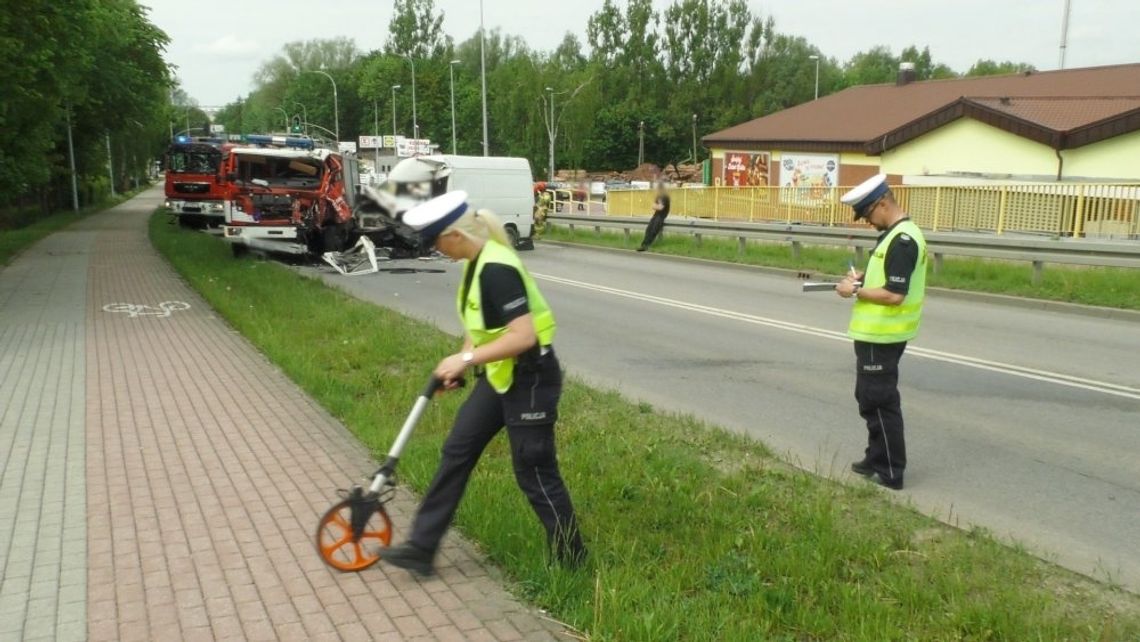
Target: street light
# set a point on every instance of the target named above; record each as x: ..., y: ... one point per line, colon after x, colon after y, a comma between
x: 816, y: 59
x: 336, y: 102
x: 483, y: 74
x: 415, y: 121
x: 280, y: 109
x: 694, y: 139
x: 451, y: 70
x: 305, y: 114
x: 640, y: 143
x: 394, y: 88
x: 376, y: 133
x: 552, y: 132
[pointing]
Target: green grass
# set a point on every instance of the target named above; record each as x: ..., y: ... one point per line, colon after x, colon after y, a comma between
x: 696, y: 534
x: 20, y: 229
x: 1109, y: 287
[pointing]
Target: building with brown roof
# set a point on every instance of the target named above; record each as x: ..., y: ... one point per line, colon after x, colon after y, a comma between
x: 1071, y: 125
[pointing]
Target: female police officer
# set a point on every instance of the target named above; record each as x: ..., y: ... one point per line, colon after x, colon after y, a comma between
x: 518, y: 382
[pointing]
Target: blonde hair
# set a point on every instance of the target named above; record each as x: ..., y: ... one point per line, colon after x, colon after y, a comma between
x: 482, y: 225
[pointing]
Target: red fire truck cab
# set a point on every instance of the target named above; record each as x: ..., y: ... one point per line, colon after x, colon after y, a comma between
x: 196, y: 189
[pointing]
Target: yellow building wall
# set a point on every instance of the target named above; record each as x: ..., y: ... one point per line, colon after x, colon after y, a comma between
x: 1115, y: 159
x: 967, y: 145
x: 851, y: 158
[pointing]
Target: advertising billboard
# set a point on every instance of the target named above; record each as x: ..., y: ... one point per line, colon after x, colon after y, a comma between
x: 746, y: 169
x: 811, y: 174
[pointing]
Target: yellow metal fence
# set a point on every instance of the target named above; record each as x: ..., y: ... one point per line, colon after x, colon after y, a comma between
x: 1062, y: 209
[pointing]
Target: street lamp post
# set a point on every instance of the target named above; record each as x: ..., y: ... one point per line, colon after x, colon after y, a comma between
x: 483, y: 74
x: 280, y: 109
x: 110, y: 165
x: 694, y: 139
x: 415, y: 121
x: 451, y: 70
x: 552, y: 132
x: 376, y: 133
x: 816, y: 59
x: 71, y: 160
x: 394, y: 88
x: 304, y: 115
x: 336, y: 102
x: 640, y: 143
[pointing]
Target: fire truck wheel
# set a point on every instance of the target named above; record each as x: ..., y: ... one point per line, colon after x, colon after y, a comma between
x: 513, y: 235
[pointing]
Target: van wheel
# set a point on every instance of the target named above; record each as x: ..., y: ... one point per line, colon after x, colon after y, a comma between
x: 513, y: 235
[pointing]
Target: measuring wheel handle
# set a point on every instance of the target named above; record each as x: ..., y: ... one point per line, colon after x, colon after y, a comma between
x: 353, y: 532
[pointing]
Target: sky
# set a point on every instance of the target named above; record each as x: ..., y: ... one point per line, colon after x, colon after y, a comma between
x: 218, y: 44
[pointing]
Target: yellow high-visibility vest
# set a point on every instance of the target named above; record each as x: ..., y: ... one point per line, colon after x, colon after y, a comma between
x: 501, y: 374
x: 877, y: 323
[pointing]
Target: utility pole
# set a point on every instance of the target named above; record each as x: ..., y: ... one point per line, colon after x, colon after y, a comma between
x: 71, y: 158
x: 640, y: 143
x: 694, y: 139
x: 1065, y: 31
x: 483, y: 73
x: 394, y: 88
x: 451, y: 70
x: 376, y: 134
x: 816, y: 59
x: 415, y: 121
x: 110, y: 165
x: 552, y: 132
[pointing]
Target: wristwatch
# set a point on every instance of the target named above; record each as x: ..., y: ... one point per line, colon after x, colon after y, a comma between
x: 468, y: 358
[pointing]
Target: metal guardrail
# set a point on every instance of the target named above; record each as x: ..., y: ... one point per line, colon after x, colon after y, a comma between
x: 1037, y: 251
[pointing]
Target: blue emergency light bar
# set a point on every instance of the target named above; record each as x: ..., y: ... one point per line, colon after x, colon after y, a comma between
x: 280, y: 141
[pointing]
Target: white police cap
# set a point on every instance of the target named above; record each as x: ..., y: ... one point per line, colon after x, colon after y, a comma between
x: 432, y: 217
x: 866, y: 194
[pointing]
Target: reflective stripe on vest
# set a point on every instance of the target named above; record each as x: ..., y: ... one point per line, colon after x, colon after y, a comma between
x: 877, y: 323
x: 500, y: 374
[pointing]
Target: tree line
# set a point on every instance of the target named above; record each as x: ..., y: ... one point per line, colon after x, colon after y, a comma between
x: 94, y: 67
x: 640, y: 71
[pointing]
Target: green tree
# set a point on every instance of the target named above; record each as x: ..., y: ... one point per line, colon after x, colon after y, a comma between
x: 416, y: 30
x: 874, y: 66
x: 986, y: 67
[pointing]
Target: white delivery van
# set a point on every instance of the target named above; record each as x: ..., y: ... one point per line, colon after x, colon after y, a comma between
x: 500, y: 184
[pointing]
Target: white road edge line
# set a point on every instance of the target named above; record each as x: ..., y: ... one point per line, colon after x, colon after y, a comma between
x: 935, y: 355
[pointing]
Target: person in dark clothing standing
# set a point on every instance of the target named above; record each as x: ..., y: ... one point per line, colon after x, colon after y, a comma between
x: 657, y: 223
x: 886, y: 315
x: 518, y: 383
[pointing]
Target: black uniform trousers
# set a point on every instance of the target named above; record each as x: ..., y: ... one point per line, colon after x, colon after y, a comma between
x: 877, y: 391
x: 656, y: 224
x: 529, y: 411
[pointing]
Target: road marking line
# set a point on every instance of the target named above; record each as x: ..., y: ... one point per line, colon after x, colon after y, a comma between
x: 935, y: 355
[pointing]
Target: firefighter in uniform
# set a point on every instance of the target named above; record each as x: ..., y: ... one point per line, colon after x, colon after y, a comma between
x: 886, y: 315
x: 518, y: 382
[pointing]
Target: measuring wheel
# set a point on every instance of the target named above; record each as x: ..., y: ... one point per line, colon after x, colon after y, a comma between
x: 350, y: 549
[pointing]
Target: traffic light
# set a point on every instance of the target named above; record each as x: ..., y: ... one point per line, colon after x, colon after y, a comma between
x: 296, y: 129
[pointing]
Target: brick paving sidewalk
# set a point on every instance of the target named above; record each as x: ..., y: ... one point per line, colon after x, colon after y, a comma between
x: 206, y: 470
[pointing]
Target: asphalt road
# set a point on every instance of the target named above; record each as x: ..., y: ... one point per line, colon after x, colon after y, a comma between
x: 1026, y: 422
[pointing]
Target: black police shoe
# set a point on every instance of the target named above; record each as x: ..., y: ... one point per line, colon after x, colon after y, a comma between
x: 410, y: 557
x: 862, y: 467
x: 895, y: 483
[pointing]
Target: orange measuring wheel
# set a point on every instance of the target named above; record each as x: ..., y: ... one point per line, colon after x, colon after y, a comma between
x: 337, y: 543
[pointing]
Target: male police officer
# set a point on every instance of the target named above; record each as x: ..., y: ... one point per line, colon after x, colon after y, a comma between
x: 887, y: 312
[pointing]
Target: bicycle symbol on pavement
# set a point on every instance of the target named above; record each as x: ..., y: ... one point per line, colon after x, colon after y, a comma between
x: 135, y: 310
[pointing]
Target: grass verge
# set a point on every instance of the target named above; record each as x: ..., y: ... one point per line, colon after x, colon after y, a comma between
x: 17, y: 233
x: 1109, y: 287
x: 696, y: 534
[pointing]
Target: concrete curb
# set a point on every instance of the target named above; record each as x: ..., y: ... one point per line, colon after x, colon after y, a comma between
x: 1062, y: 307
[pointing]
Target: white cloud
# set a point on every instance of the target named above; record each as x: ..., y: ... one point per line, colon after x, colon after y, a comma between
x: 228, y: 46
